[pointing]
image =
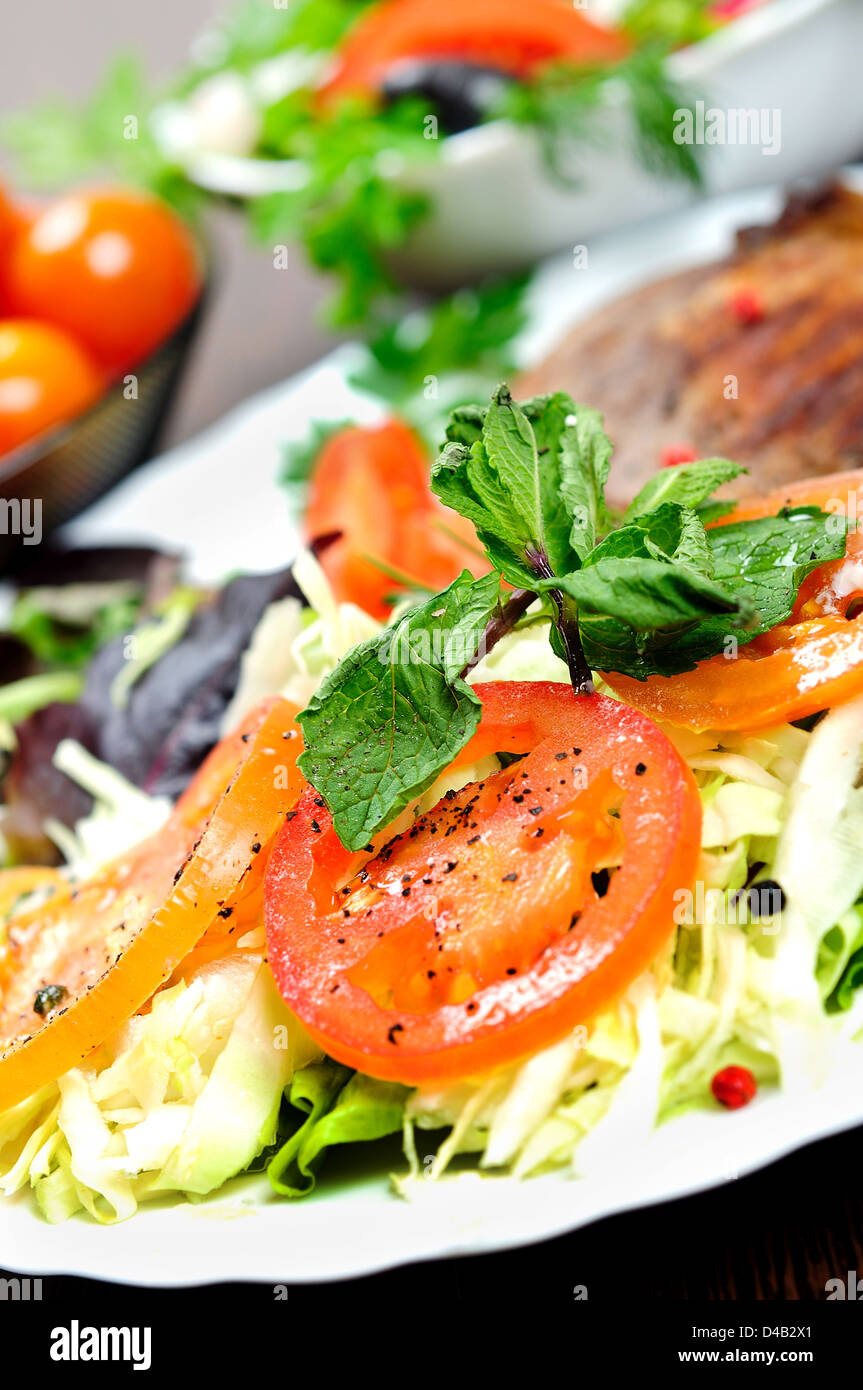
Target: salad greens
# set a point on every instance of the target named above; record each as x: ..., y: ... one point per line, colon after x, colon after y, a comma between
x: 340, y: 1107
x: 19, y: 699
x: 562, y: 102
x: 150, y: 701
x: 671, y: 22
x: 65, y: 625
x: 349, y: 214
x: 447, y: 353
x: 652, y: 593
x: 57, y: 141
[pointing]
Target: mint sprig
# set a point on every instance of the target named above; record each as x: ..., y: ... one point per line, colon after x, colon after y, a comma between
x: 397, y: 710
x: 651, y: 594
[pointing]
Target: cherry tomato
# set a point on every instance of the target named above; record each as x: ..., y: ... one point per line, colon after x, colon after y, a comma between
x: 9, y: 225
x: 810, y: 663
x: 481, y: 934
x: 116, y: 269
x: 507, y: 34
x: 46, y: 378
x: 371, y: 486
x: 91, y: 958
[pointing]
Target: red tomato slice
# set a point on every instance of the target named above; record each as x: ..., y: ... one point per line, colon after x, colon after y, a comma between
x: 810, y: 663
x: 371, y: 486
x: 114, y: 940
x: 479, y: 936
x: 508, y: 34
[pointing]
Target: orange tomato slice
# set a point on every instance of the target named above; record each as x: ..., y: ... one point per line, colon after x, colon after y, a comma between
x: 110, y: 943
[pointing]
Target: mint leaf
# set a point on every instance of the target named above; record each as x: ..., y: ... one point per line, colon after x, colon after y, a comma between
x: 687, y: 483
x: 464, y: 480
x: 714, y: 511
x: 760, y: 564
x: 768, y: 558
x: 693, y: 546
x: 525, y: 455
x: 647, y: 595
x: 672, y: 533
x: 530, y: 478
x: 465, y: 425
x: 396, y: 711
x: 585, y: 459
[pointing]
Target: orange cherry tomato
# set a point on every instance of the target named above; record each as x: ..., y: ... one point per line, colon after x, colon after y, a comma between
x: 481, y: 934
x: 8, y: 223
x: 370, y: 485
x: 810, y: 663
x: 46, y: 378
x: 109, y: 945
x: 117, y: 269
x: 507, y: 34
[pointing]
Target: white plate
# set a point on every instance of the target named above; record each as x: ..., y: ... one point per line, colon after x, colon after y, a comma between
x: 216, y: 496
x: 797, y: 57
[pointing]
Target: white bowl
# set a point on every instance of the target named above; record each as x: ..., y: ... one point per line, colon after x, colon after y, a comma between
x: 496, y: 206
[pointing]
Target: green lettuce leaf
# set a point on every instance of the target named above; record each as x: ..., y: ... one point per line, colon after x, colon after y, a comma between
x: 341, y: 1107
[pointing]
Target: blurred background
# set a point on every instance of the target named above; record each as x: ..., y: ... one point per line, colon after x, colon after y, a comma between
x: 56, y: 49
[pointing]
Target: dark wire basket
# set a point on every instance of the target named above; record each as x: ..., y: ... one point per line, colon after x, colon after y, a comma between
x: 72, y: 466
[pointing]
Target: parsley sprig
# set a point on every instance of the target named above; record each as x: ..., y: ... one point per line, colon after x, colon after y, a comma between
x: 564, y: 103
x: 653, y: 592
x: 57, y: 141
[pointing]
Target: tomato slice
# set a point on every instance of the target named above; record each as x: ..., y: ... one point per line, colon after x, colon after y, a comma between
x: 507, y: 34
x: 480, y: 935
x: 371, y: 486
x: 810, y: 663
x: 111, y: 943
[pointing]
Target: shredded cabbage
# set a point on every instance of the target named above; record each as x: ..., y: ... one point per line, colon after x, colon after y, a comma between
x: 709, y: 1001
x: 179, y: 1100
x: 121, y: 817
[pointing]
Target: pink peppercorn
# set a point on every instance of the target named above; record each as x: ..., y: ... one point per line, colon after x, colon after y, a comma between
x: 734, y: 1087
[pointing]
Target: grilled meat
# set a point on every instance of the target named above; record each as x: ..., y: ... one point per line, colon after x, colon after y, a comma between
x: 758, y: 357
